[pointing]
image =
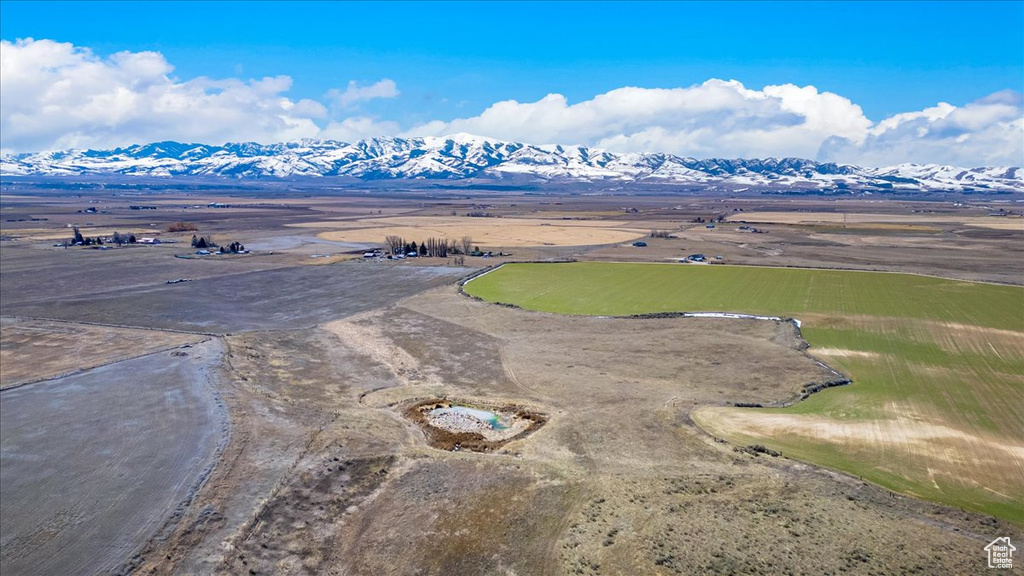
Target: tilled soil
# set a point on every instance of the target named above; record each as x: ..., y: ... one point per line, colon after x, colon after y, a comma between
x: 283, y: 298
x: 92, y: 464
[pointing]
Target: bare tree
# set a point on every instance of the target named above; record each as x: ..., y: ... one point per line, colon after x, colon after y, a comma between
x: 395, y: 243
x: 467, y: 244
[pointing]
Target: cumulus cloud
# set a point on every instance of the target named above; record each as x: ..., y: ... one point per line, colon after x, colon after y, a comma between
x: 716, y: 118
x: 986, y: 132
x: 355, y: 93
x: 726, y: 119
x: 55, y: 95
x: 357, y: 128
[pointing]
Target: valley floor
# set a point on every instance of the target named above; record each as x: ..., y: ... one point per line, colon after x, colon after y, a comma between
x: 170, y: 413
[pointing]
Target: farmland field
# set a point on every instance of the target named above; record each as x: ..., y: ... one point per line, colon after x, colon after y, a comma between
x: 487, y: 232
x: 935, y: 410
x: 292, y: 441
x: 909, y: 221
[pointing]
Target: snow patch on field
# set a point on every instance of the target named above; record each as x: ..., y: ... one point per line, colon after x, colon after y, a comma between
x: 739, y: 316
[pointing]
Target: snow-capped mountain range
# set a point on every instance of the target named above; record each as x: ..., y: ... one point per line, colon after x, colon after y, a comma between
x: 474, y: 159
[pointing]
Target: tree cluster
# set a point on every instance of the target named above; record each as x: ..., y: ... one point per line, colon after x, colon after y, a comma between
x: 120, y: 239
x: 431, y: 247
x: 78, y: 240
x: 233, y: 248
x: 202, y: 242
x: 437, y: 247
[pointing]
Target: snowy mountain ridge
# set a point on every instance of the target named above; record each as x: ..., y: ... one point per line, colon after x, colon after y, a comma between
x: 482, y: 160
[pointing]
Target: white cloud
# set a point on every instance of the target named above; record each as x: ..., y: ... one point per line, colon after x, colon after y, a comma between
x: 357, y: 128
x: 716, y: 118
x: 55, y: 95
x: 726, y: 119
x: 986, y: 132
x: 355, y: 93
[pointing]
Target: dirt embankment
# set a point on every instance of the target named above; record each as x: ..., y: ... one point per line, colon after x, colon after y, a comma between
x: 523, y: 422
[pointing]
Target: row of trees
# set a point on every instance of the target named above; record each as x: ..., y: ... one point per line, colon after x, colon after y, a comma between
x: 120, y: 239
x: 117, y: 238
x: 233, y: 248
x: 719, y: 218
x: 203, y: 242
x: 436, y: 247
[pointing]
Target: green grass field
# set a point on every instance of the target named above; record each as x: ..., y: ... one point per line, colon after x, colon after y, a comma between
x: 937, y: 405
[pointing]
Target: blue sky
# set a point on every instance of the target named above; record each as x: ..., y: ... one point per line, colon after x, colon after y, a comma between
x: 454, y: 60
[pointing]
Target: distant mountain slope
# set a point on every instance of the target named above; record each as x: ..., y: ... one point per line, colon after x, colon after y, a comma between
x: 482, y: 160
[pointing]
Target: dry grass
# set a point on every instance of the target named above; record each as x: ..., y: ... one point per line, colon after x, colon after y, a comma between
x: 909, y: 222
x: 322, y: 474
x: 950, y: 353
x: 182, y: 227
x: 485, y: 232
x: 32, y: 350
x: 930, y: 451
x: 619, y: 481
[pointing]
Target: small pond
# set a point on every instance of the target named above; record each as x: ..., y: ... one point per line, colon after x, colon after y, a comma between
x: 480, y: 427
x: 489, y: 419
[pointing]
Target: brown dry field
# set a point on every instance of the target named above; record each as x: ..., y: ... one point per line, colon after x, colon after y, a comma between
x: 323, y: 474
x: 487, y: 232
x: 619, y: 481
x: 892, y: 220
x: 33, y: 350
x: 948, y: 248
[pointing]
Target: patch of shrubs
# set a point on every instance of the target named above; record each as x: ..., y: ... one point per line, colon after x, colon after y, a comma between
x: 757, y: 449
x: 182, y: 227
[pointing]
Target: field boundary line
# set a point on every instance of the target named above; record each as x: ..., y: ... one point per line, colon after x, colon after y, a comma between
x: 107, y: 325
x: 784, y: 267
x: 477, y: 274
x: 467, y: 279
x: 775, y: 267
